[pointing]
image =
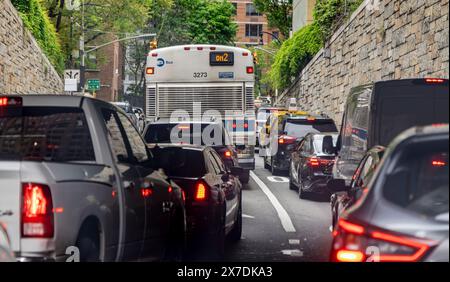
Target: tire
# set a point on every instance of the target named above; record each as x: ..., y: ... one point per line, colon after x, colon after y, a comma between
x: 266, y: 166
x: 245, y: 178
x: 273, y: 170
x: 236, y: 233
x: 88, y: 243
x: 176, y: 248
x: 291, y: 185
x: 301, y: 194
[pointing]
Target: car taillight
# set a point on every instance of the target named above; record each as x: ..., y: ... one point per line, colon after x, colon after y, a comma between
x: 228, y: 154
x: 200, y: 192
x: 355, y: 243
x: 37, y: 211
x: 250, y: 70
x: 313, y: 162
x: 150, y: 71
x: 10, y: 101
x: 284, y: 139
x: 434, y: 80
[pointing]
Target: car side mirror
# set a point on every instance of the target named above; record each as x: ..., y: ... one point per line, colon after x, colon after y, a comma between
x: 327, y: 145
x: 337, y: 185
x: 235, y: 170
x: 298, y: 141
x: 225, y: 177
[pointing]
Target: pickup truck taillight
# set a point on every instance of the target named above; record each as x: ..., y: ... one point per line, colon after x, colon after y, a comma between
x: 37, y: 211
x: 355, y: 243
x: 200, y: 192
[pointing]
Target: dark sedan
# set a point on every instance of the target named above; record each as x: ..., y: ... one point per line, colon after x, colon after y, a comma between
x: 312, y: 163
x: 403, y: 216
x: 213, y: 195
x: 343, y: 200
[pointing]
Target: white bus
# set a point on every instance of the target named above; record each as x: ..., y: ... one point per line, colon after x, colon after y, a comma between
x: 217, y: 78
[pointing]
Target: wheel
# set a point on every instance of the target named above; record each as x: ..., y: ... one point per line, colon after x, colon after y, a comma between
x: 301, y: 193
x: 236, y: 233
x: 176, y: 245
x: 272, y: 168
x: 266, y: 166
x: 292, y: 185
x: 88, y: 243
x: 245, y: 178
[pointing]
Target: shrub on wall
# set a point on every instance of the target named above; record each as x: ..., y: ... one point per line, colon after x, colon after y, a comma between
x: 294, y: 55
x: 36, y: 20
x: 296, y: 52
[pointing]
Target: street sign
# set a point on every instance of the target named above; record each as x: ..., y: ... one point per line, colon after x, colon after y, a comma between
x: 72, y: 74
x: 93, y: 84
x: 70, y: 85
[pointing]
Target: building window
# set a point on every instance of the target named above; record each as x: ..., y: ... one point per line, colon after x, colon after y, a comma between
x: 235, y: 8
x: 253, y: 30
x: 250, y: 10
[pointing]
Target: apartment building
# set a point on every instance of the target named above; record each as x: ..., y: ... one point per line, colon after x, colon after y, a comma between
x: 251, y: 25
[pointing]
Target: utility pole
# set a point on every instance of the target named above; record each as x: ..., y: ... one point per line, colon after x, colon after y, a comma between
x: 82, y: 53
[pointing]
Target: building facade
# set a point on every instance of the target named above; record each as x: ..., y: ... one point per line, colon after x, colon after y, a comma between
x: 302, y: 14
x: 251, y: 25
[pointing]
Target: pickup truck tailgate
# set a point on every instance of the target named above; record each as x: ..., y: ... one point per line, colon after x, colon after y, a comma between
x: 10, y: 191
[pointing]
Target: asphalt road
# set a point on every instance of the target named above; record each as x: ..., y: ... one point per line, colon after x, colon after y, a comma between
x: 278, y: 225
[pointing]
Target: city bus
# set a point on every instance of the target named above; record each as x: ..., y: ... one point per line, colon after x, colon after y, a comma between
x: 205, y: 78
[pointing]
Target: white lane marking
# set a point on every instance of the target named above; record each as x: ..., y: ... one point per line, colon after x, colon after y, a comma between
x: 294, y: 242
x: 278, y: 179
x: 282, y: 213
x: 247, y: 216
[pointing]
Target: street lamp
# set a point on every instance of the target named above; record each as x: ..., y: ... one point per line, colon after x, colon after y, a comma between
x: 271, y: 34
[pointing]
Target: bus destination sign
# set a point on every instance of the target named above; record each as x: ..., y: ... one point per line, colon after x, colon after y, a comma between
x: 221, y: 58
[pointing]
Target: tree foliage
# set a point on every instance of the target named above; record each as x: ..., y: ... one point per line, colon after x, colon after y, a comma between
x: 278, y: 12
x: 35, y: 19
x: 296, y: 52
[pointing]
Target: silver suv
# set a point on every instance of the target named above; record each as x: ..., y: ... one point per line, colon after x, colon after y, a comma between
x: 77, y: 182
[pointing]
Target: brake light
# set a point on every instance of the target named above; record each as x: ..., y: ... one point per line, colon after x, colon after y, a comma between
x: 212, y: 48
x: 200, y: 192
x: 146, y: 192
x: 37, y: 211
x: 150, y: 71
x: 313, y: 162
x: 154, y: 54
x: 284, y: 139
x: 187, y: 48
x: 250, y: 70
x: 311, y: 119
x: 354, y: 243
x: 200, y: 48
x: 438, y: 163
x: 434, y: 80
x: 245, y: 54
x: 228, y: 154
x: 10, y: 101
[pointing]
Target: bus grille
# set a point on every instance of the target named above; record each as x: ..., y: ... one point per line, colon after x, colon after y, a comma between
x: 249, y: 99
x: 219, y: 98
x: 151, y: 102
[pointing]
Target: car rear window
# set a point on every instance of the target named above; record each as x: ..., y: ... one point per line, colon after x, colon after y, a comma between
x: 46, y: 134
x: 186, y: 134
x: 300, y: 129
x: 421, y: 183
x: 318, y: 143
x: 180, y: 162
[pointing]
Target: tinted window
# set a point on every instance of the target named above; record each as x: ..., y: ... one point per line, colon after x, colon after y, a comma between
x: 115, y: 137
x: 185, y: 133
x: 180, y: 162
x: 420, y: 182
x: 318, y: 143
x: 46, y: 134
x: 137, y: 145
x: 300, y: 129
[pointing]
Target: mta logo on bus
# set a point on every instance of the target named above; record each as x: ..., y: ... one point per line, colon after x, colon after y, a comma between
x: 160, y: 62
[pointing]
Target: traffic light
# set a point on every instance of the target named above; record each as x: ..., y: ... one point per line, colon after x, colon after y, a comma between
x: 153, y: 44
x: 255, y: 58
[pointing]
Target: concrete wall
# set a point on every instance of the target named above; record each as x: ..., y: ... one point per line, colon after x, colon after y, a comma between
x: 393, y: 40
x: 24, y: 69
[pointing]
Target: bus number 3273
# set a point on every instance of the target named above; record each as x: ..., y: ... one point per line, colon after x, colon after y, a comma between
x: 200, y: 74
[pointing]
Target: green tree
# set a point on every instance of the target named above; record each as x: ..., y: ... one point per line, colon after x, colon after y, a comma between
x: 278, y: 12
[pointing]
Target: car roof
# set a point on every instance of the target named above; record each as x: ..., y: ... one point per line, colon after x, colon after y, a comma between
x: 181, y: 146
x: 421, y: 131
